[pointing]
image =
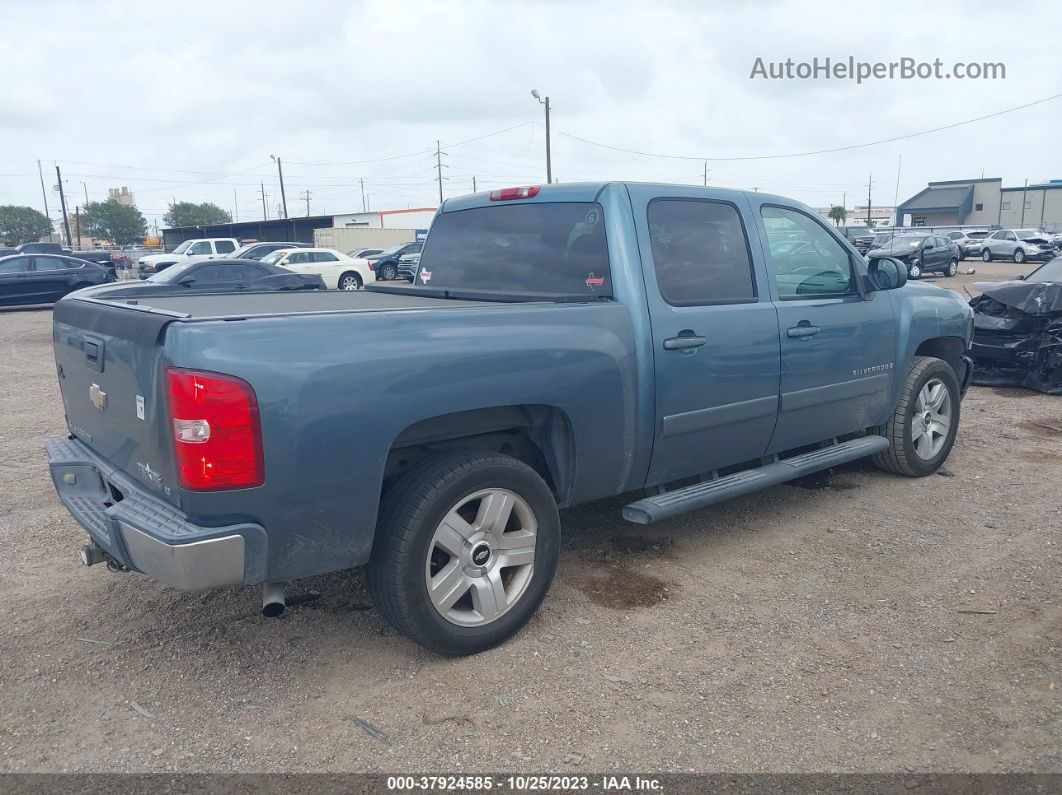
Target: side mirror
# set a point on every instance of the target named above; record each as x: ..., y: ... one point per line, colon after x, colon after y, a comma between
x: 886, y: 273
x: 186, y: 280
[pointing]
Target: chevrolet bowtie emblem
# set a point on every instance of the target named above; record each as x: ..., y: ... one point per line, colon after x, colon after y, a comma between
x: 98, y: 397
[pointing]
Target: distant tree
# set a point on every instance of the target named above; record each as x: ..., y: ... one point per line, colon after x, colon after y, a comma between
x: 119, y: 223
x: 837, y: 214
x: 22, y: 225
x: 192, y: 214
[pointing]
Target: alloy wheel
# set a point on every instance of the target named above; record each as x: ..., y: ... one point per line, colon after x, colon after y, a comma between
x: 481, y: 557
x: 932, y: 419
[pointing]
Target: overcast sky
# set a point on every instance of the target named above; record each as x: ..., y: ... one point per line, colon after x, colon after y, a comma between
x: 186, y: 100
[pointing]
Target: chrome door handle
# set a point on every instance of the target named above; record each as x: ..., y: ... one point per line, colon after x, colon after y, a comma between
x: 802, y: 331
x: 683, y: 343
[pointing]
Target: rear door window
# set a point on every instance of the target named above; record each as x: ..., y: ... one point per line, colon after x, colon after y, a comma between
x: 700, y: 252
x: 543, y: 249
x: 15, y: 265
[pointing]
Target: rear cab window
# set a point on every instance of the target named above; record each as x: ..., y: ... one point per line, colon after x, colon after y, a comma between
x: 541, y: 250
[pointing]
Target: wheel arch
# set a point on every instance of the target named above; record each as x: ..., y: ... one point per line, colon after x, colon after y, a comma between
x: 539, y: 435
x: 950, y: 349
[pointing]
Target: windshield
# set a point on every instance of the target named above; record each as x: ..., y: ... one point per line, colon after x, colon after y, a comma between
x: 547, y: 249
x: 1050, y: 271
x: 274, y: 257
x: 182, y: 248
x: 1025, y: 234
x: 904, y: 241
x: 171, y: 274
x: 238, y: 253
x: 390, y: 252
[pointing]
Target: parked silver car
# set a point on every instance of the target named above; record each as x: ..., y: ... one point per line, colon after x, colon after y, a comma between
x: 1017, y: 244
x: 968, y: 241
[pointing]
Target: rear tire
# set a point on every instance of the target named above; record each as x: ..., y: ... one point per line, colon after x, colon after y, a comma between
x: 918, y: 446
x: 349, y: 282
x: 491, y: 595
x: 952, y: 269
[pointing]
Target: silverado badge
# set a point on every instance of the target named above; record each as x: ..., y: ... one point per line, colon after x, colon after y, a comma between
x: 98, y: 397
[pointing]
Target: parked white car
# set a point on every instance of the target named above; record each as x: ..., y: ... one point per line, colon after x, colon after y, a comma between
x: 338, y: 271
x: 188, y: 251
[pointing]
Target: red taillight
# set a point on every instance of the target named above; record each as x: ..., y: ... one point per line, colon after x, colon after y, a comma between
x: 217, y: 433
x: 505, y: 194
x: 372, y: 265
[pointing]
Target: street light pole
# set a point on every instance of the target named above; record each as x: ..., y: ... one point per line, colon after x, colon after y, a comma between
x: 549, y: 163
x: 283, y: 197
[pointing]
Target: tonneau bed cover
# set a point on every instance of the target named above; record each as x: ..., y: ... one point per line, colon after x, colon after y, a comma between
x: 228, y: 305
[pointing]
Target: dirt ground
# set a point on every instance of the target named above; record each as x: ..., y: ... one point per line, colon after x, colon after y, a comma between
x: 854, y: 621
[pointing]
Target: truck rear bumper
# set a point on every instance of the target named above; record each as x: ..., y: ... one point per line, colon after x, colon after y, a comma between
x: 144, y: 533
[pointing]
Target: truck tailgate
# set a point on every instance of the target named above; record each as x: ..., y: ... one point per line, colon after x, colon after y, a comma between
x: 109, y: 362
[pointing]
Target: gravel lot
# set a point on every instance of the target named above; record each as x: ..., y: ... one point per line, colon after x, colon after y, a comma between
x: 854, y: 621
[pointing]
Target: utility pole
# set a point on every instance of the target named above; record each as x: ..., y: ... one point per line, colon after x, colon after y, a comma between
x: 85, y: 186
x: 265, y: 207
x: 62, y: 201
x: 364, y: 206
x: 44, y: 193
x: 439, y: 166
x: 235, y: 207
x: 896, y: 195
x: 549, y: 164
x: 706, y: 173
x: 306, y: 195
x: 77, y: 225
x: 473, y: 183
x: 283, y: 198
x: 870, y: 182
x: 1023, y: 192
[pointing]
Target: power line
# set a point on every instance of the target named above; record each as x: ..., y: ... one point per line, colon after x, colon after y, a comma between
x: 817, y: 151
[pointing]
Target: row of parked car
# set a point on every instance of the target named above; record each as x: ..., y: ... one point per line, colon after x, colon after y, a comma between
x: 349, y: 271
x: 941, y: 252
x: 40, y: 273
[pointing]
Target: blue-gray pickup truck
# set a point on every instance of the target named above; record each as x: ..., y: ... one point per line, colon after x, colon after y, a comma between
x: 560, y: 344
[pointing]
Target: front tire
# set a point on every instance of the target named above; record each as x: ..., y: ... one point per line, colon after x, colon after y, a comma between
x: 349, y: 282
x: 986, y: 255
x: 921, y: 431
x: 387, y: 273
x: 1019, y: 256
x: 914, y: 271
x: 466, y: 548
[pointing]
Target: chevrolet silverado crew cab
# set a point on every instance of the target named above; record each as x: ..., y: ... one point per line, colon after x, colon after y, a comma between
x: 559, y: 345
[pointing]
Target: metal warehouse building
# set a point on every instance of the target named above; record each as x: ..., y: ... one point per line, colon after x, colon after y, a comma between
x: 301, y: 230
x: 984, y: 203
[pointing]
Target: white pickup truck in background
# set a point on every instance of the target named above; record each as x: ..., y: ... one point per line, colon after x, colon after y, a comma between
x: 188, y: 251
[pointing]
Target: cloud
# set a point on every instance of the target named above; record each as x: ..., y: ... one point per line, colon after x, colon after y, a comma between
x: 197, y: 95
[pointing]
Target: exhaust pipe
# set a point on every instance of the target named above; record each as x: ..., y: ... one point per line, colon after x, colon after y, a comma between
x: 91, y: 554
x: 273, y: 599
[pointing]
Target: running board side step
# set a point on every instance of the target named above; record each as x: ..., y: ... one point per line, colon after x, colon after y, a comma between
x: 699, y: 495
